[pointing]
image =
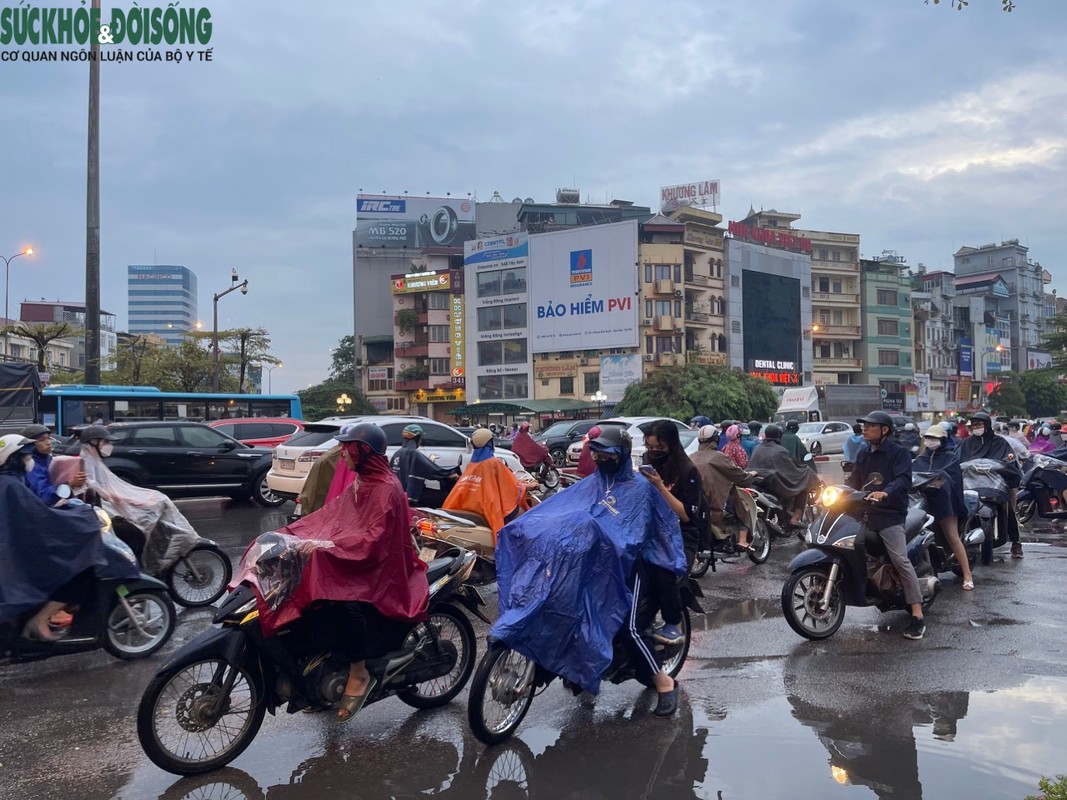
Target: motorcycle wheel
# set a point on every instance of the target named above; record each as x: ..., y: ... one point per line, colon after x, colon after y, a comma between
x: 760, y: 542
x: 176, y: 724
x: 672, y: 657
x: 1025, y: 511
x: 225, y: 784
x: 453, y: 627
x: 701, y: 563
x: 559, y: 457
x: 801, y: 596
x: 212, y: 575
x: 501, y: 693
x: 551, y: 479
x: 156, y: 616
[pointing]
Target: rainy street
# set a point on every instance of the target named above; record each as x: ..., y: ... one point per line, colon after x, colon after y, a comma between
x: 978, y: 708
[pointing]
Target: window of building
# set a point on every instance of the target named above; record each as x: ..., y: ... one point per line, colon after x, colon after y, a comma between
x: 381, y: 384
x: 490, y: 353
x: 489, y: 318
x: 648, y: 308
x: 513, y: 315
x: 837, y: 255
x: 489, y: 284
x: 663, y: 272
x: 824, y: 254
x: 735, y: 281
x: 677, y: 273
x: 824, y: 317
x: 566, y: 386
x: 824, y: 284
x: 888, y: 327
x: 735, y: 326
x: 438, y: 333
x: 887, y: 297
x: 592, y: 382
x: 648, y: 273
x: 663, y: 308
x: 514, y: 280
x: 516, y: 386
x: 515, y: 351
x: 440, y: 366
x: 839, y: 317
x: 664, y: 344
x: 823, y: 349
x: 491, y: 387
x: 889, y: 358
x: 890, y: 386
x: 439, y: 301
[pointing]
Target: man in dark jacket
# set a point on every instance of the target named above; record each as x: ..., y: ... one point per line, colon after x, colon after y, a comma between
x: 39, y: 480
x: 782, y: 475
x: 889, y: 505
x: 791, y: 442
x: 984, y: 443
x: 719, y: 477
x: 413, y: 468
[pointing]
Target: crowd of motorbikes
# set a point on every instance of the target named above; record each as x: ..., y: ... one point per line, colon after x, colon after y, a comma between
x: 206, y: 703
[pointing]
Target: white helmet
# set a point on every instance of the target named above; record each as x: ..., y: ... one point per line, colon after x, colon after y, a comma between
x: 707, y: 432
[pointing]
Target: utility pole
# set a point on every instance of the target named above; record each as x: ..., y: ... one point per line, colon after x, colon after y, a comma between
x: 92, y: 216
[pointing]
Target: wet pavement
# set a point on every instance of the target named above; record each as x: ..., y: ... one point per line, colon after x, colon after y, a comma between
x: 978, y: 708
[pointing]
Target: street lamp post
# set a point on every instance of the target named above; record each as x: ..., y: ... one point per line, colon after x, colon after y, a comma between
x: 344, y: 402
x: 269, y: 369
x: 215, y: 325
x: 599, y: 399
x: 800, y: 352
x: 7, y: 287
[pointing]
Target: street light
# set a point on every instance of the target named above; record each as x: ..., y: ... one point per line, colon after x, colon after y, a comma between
x: 215, y: 325
x: 27, y: 251
x: 343, y: 403
x: 599, y: 399
x: 269, y: 371
x: 800, y: 354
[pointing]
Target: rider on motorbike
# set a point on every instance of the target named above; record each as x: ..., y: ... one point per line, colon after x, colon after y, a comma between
x: 782, y: 475
x: 487, y: 487
x: 39, y: 479
x: 533, y: 456
x: 721, y: 478
x: 984, y: 443
x: 945, y: 501
x: 414, y: 468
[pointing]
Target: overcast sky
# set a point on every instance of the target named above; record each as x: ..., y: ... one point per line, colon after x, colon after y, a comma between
x: 920, y: 128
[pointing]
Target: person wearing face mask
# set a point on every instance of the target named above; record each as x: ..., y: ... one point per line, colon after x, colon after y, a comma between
x: 39, y: 479
x: 48, y: 556
x: 983, y: 443
x: 944, y: 501
x: 146, y: 519
x: 734, y: 449
x: 594, y: 544
x: 363, y: 580
x: 1043, y: 441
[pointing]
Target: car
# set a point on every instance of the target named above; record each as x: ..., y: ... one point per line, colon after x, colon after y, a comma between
x: 498, y: 441
x: 823, y: 438
x: 637, y: 427
x: 187, y: 459
x: 293, y: 459
x: 558, y: 436
x: 259, y: 431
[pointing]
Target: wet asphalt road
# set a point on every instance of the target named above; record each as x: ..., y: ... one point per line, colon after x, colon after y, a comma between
x: 976, y: 709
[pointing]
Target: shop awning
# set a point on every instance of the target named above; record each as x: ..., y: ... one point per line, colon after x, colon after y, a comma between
x: 522, y: 407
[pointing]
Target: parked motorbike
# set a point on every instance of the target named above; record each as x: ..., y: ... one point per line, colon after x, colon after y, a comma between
x: 127, y: 618
x: 832, y: 574
x: 942, y: 559
x: 505, y: 683
x: 206, y: 704
x: 984, y: 477
x: 196, y: 579
x: 1041, y: 492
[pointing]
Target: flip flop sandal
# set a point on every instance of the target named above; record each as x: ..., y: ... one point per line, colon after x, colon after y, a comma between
x: 350, y: 704
x: 968, y: 586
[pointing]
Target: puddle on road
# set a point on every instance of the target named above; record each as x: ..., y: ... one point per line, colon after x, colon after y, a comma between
x: 828, y: 744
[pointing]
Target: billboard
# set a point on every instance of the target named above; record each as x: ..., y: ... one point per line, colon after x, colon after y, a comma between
x: 498, y: 252
x: 697, y: 194
x: 421, y: 282
x: 583, y: 288
x: 966, y: 357
x: 618, y: 372
x: 389, y: 221
x: 1037, y: 359
x: 772, y: 313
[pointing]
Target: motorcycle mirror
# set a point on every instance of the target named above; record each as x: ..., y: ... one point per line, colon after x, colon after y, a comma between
x: 808, y: 457
x: 63, y: 492
x: 874, y: 479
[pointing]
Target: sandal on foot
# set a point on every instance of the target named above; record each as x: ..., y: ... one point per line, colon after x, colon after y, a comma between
x: 968, y: 586
x: 350, y: 704
x: 34, y: 634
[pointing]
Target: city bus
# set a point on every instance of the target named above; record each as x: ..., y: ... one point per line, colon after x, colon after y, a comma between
x: 64, y: 408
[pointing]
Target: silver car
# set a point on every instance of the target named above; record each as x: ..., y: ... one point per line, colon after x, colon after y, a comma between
x: 823, y: 438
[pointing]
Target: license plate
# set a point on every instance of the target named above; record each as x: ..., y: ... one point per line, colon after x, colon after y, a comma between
x: 428, y: 554
x: 286, y: 463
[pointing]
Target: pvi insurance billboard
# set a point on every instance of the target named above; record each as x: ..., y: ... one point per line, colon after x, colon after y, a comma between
x: 583, y: 288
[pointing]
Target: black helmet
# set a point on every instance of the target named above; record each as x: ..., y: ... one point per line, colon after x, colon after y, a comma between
x: 700, y: 420
x: 755, y: 425
x: 792, y: 426
x: 366, y: 432
x: 35, y: 431
x: 95, y: 432
x: 981, y: 417
x: 612, y: 436
x: 878, y: 418
x: 772, y: 432
x: 857, y: 428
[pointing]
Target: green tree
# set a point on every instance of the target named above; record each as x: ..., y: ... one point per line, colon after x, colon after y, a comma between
x: 41, y: 334
x: 343, y: 365
x: 320, y: 400
x: 1008, y: 398
x: 187, y: 368
x: 1055, y: 342
x: 248, y: 346
x: 686, y: 391
x: 1045, y: 395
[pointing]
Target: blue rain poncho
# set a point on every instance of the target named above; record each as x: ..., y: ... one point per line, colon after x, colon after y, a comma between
x: 562, y: 570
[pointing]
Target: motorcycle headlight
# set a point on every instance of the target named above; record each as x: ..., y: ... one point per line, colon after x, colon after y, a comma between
x: 846, y: 543
x: 105, y: 520
x: 829, y: 496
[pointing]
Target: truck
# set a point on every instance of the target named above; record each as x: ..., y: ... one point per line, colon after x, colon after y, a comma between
x: 829, y: 402
x: 20, y: 386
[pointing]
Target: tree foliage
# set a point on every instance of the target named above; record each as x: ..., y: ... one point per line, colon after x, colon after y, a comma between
x: 1045, y: 396
x: 1006, y: 6
x: 1055, y: 342
x: 1008, y: 398
x: 41, y: 334
x: 320, y: 400
x: 343, y: 365
x: 687, y: 391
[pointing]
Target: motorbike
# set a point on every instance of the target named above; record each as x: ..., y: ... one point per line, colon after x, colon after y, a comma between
x: 505, y: 682
x: 832, y: 574
x: 204, y: 706
x: 725, y: 548
x: 1042, y: 489
x: 942, y: 559
x: 986, y: 490
x: 127, y: 618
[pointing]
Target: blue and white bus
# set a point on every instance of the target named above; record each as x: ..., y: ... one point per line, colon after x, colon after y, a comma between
x: 64, y: 408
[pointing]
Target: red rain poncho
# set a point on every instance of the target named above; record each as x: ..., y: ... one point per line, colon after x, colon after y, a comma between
x: 372, y: 558
x: 530, y: 453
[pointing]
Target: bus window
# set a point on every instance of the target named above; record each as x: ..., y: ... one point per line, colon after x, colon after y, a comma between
x: 136, y: 410
x: 185, y: 410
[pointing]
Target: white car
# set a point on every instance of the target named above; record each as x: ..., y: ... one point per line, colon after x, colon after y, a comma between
x: 822, y: 438
x: 637, y: 427
x: 443, y: 444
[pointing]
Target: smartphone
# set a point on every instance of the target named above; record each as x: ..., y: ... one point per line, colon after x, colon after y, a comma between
x: 647, y: 469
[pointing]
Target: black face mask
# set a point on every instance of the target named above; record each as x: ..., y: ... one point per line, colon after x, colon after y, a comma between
x: 609, y: 467
x: 655, y: 457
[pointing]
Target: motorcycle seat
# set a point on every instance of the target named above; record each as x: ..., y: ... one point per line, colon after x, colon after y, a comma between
x: 970, y: 500
x: 438, y: 568
x: 913, y: 523
x: 477, y: 519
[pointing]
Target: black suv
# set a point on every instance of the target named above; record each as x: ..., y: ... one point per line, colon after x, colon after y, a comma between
x: 558, y: 436
x: 188, y: 459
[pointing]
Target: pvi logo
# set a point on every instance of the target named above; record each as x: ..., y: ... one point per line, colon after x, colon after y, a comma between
x: 381, y: 206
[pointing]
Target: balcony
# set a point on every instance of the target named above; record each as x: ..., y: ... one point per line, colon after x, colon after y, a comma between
x: 846, y: 298
x: 837, y: 331
x: 668, y: 359
x: 663, y: 286
x: 941, y: 374
x: 664, y: 323
x: 698, y: 317
x: 697, y: 280
x: 838, y: 363
x: 412, y: 384
x: 412, y: 349
x: 819, y: 265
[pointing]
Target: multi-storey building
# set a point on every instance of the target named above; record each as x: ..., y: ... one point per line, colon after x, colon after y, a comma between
x: 58, y: 355
x: 74, y: 314
x: 887, y: 350
x: 162, y: 300
x: 835, y: 296
x: 936, y: 342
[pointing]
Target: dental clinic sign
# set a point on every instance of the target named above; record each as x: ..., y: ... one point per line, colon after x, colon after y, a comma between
x: 37, y: 28
x: 583, y: 288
